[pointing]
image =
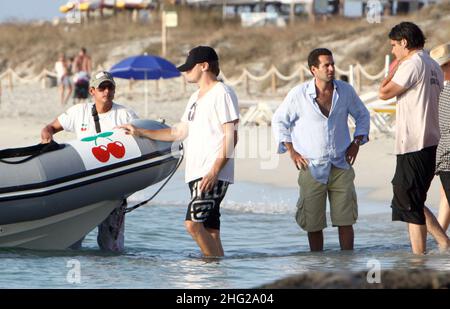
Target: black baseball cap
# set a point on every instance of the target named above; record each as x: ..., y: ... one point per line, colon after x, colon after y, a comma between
x: 196, y: 55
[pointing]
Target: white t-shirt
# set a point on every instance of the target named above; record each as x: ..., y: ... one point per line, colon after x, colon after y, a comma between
x: 417, y: 124
x: 79, y: 119
x: 217, y: 107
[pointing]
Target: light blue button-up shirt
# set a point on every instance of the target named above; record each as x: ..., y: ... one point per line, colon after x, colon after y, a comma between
x: 322, y: 141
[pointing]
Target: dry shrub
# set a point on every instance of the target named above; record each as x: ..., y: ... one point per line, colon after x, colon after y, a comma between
x: 37, y: 46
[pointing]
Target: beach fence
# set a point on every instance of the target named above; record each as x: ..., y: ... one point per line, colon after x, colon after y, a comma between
x: 355, y: 74
x: 46, y: 78
x: 259, y: 111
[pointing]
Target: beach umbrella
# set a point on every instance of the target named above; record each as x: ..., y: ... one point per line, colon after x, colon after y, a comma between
x: 144, y: 67
x: 133, y: 4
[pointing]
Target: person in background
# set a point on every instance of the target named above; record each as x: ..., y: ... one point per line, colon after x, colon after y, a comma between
x: 82, y: 62
x: 441, y: 54
x: 416, y: 81
x: 62, y: 69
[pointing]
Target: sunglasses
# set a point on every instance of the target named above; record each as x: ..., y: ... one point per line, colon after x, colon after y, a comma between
x: 103, y: 86
x: 191, y: 113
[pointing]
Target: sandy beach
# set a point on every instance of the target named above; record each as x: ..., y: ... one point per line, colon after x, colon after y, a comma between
x: 26, y: 109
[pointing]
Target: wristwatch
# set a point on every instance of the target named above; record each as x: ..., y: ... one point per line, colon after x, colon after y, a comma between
x: 357, y: 142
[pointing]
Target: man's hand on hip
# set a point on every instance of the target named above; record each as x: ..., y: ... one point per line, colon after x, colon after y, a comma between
x: 352, y: 152
x: 299, y: 161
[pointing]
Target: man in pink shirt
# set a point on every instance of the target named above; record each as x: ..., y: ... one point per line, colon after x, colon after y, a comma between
x: 416, y: 81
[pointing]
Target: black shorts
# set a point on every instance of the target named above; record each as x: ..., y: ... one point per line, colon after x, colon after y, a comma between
x: 413, y: 175
x: 205, y: 206
x: 445, y: 180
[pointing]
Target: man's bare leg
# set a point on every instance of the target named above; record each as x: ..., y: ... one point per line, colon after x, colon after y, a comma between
x: 346, y: 237
x: 61, y: 94
x: 315, y: 241
x: 69, y: 92
x: 436, y: 230
x: 444, y: 212
x: 203, y: 238
x: 215, y: 234
x: 418, y: 238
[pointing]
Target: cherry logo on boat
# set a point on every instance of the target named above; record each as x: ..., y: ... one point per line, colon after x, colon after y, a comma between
x: 117, y: 149
x: 102, y: 153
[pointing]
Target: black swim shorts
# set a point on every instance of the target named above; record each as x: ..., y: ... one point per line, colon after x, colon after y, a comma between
x: 205, y: 206
x: 413, y: 175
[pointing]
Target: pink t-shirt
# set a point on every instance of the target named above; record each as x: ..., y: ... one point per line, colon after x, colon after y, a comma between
x: 417, y: 124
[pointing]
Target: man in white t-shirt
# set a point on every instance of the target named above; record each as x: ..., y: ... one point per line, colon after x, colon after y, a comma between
x: 89, y: 119
x: 210, y: 124
x: 416, y: 81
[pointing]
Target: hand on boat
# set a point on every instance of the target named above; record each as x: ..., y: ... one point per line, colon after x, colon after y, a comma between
x: 129, y: 129
x: 46, y: 136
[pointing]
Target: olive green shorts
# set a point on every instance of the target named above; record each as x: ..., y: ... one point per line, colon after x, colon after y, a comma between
x: 311, y: 205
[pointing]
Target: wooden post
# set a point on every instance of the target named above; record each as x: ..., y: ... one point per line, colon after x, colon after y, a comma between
x: 157, y: 86
x: 43, y: 80
x: 163, y: 34
x: 130, y: 84
x: 351, y: 79
x: 358, y: 79
x: 247, y: 84
x: 292, y: 13
x: 10, y: 80
x: 224, y: 5
x: 274, y: 82
x: 183, y: 83
x: 311, y: 12
x: 387, y: 62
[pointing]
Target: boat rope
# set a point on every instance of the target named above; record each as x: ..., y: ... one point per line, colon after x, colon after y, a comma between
x: 28, y: 152
x: 180, y: 160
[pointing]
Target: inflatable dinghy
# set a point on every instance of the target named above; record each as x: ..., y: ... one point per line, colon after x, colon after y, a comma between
x: 53, y: 194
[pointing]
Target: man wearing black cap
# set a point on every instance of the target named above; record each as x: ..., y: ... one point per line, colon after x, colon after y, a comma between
x: 210, y: 125
x: 90, y: 119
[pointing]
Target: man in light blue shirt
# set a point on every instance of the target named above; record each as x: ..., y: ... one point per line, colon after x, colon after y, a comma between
x: 312, y: 124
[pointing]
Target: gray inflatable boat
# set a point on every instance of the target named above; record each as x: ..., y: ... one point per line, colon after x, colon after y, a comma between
x: 52, y: 195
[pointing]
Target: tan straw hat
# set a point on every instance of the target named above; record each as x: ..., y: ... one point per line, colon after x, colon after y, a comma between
x: 441, y: 53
